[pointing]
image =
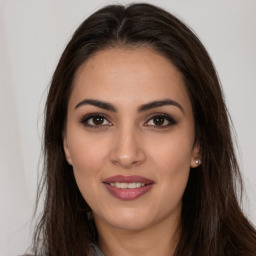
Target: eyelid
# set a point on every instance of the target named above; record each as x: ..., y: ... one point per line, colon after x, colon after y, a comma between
x: 169, y: 118
x: 87, y: 117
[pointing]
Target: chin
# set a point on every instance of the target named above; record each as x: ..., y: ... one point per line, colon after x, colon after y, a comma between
x: 132, y: 224
x: 127, y: 219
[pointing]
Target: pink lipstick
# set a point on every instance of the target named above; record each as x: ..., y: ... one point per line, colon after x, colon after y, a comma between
x: 128, y: 187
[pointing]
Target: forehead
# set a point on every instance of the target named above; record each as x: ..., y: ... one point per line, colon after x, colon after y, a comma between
x: 129, y: 76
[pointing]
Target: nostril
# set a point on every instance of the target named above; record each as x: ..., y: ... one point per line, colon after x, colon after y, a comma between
x: 127, y: 153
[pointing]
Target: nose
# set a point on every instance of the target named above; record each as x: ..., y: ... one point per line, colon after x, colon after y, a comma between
x: 127, y: 151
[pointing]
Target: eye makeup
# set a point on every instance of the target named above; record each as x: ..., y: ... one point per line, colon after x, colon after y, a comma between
x: 95, y: 120
x: 161, y: 120
x: 99, y: 120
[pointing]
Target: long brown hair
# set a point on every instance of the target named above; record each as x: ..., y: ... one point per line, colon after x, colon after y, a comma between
x: 212, y: 222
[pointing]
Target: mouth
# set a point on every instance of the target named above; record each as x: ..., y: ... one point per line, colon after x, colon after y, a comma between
x: 128, y: 187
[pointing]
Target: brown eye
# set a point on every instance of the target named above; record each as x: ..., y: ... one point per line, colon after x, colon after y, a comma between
x: 158, y: 120
x: 95, y: 121
x: 161, y: 121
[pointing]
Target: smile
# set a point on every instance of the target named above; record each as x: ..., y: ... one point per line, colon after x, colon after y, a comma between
x: 128, y: 187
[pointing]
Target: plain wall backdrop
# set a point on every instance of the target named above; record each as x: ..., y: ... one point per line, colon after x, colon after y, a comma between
x: 33, y: 35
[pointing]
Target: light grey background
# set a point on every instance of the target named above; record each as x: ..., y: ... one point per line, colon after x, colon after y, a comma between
x: 32, y: 36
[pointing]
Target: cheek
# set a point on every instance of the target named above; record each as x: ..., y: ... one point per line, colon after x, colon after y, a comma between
x: 86, y: 168
x: 87, y: 151
x: 172, y: 160
x: 87, y: 160
x: 173, y: 152
x: 173, y: 172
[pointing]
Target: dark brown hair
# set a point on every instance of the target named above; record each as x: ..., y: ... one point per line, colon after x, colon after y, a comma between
x: 212, y: 222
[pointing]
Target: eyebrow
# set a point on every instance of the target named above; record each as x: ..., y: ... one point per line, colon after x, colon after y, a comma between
x: 144, y: 107
x: 159, y: 103
x: 96, y: 103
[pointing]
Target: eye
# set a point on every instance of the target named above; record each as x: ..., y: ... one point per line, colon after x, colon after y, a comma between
x: 95, y: 121
x: 161, y: 121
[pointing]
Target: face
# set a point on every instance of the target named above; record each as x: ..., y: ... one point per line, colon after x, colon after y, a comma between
x: 130, y: 138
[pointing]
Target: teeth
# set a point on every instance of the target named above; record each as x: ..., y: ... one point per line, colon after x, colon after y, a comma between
x: 127, y: 185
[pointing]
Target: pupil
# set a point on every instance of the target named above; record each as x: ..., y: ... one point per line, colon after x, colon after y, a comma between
x: 159, y: 120
x: 98, y: 120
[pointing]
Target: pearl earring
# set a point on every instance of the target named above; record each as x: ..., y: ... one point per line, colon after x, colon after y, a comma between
x: 198, y: 161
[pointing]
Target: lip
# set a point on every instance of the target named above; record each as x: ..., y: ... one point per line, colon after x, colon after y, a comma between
x: 128, y: 179
x: 126, y: 193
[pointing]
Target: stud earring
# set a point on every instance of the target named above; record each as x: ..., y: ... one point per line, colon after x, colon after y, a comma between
x: 198, y: 161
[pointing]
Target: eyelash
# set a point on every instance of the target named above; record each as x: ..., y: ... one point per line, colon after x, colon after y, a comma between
x: 166, y: 117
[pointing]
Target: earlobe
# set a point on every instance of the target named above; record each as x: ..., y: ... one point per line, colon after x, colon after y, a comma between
x: 66, y: 150
x: 195, y: 162
x: 196, y: 156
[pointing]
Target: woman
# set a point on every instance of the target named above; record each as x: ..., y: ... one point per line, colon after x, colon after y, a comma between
x: 138, y: 151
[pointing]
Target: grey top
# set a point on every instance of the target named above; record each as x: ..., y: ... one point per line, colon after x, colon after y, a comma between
x: 96, y: 251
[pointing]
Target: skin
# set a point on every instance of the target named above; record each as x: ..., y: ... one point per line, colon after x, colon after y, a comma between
x: 129, y: 142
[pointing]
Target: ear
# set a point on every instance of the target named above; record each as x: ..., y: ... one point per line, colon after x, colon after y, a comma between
x: 66, y: 148
x: 196, y: 157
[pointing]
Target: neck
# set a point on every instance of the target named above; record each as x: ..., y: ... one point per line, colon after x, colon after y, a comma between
x: 160, y: 239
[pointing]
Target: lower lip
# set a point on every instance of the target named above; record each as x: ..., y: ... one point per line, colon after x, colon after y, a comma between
x: 127, y: 193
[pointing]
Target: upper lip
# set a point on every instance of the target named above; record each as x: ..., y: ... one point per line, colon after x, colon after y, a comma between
x: 128, y: 179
